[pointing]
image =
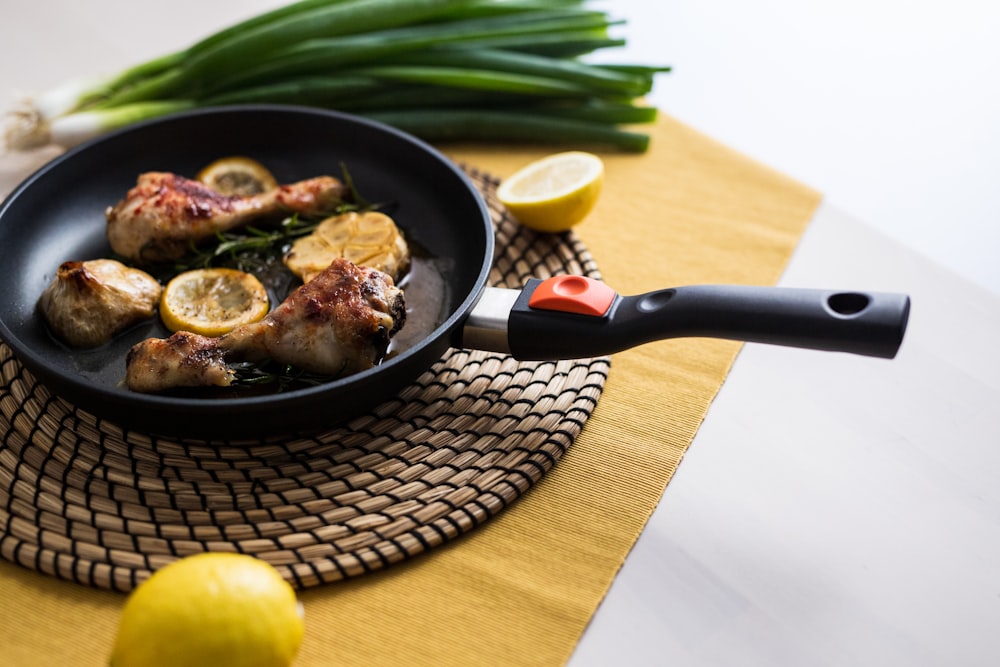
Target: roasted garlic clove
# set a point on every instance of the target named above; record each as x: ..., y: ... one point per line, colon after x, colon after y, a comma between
x: 89, y: 302
x: 367, y: 239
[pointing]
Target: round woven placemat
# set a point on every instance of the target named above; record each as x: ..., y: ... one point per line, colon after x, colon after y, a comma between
x: 83, y: 500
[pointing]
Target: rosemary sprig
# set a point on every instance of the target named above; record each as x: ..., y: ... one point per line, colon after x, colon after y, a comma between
x: 279, y: 376
x: 251, y: 247
x: 245, y: 248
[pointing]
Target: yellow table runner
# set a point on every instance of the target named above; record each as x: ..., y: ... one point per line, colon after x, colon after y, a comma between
x: 521, y: 589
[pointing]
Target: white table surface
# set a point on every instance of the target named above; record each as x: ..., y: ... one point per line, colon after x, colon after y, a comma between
x: 838, y: 510
x: 832, y: 510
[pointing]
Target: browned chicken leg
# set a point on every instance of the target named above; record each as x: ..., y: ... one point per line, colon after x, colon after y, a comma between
x: 165, y: 214
x: 338, y: 323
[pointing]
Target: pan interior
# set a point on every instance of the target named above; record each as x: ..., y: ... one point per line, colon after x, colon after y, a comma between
x: 58, y: 215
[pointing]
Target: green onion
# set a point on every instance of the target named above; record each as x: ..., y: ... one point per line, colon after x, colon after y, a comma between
x: 566, y: 44
x: 256, y: 22
x: 322, y: 55
x: 78, y: 127
x: 316, y: 91
x: 465, y: 124
x: 460, y: 77
x: 340, y: 18
x: 495, y: 70
x: 591, y: 77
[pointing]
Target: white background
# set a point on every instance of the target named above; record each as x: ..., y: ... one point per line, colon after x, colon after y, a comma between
x: 890, y: 108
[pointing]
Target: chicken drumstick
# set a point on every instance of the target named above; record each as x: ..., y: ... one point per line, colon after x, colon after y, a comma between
x: 165, y: 214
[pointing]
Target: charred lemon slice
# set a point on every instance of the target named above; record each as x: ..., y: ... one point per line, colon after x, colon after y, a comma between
x: 212, y: 302
x: 367, y: 239
x: 238, y: 175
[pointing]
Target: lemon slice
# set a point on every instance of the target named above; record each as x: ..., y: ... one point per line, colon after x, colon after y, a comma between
x: 554, y: 193
x: 238, y: 175
x: 216, y: 609
x: 212, y: 302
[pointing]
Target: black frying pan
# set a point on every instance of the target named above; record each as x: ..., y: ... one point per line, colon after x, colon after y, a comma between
x: 58, y: 215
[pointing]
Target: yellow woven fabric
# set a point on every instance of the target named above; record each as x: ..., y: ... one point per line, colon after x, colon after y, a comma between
x: 521, y: 589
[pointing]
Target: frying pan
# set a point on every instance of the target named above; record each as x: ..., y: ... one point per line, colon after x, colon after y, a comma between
x: 58, y: 214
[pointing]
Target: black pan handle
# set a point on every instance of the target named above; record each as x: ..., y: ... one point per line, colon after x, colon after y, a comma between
x: 539, y: 326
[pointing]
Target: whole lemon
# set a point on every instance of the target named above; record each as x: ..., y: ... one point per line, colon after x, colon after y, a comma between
x: 214, y: 609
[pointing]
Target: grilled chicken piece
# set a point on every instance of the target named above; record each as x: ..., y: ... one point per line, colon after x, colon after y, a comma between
x: 87, y: 303
x: 165, y: 214
x: 367, y: 239
x: 340, y: 322
x: 336, y: 324
x: 184, y: 360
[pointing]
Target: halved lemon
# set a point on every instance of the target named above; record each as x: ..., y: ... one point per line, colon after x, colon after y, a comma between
x: 554, y: 193
x: 238, y: 175
x: 212, y: 302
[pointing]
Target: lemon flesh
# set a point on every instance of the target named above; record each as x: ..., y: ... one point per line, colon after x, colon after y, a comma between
x: 212, y: 302
x: 237, y: 175
x: 554, y: 193
x: 212, y: 609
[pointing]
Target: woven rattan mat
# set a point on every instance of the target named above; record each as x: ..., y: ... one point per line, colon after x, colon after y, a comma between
x: 83, y: 500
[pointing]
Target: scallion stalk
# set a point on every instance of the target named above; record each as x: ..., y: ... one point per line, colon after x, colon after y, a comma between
x: 340, y: 18
x: 568, y: 44
x: 78, y: 127
x: 593, y: 78
x: 488, y: 125
x: 310, y: 90
x: 474, y: 79
x: 322, y: 55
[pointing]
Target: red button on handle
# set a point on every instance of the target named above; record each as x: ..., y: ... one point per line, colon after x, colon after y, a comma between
x: 573, y: 294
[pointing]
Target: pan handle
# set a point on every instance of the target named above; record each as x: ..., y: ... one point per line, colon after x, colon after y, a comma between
x: 562, y: 318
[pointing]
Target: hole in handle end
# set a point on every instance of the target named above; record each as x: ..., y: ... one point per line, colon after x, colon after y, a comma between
x: 848, y: 304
